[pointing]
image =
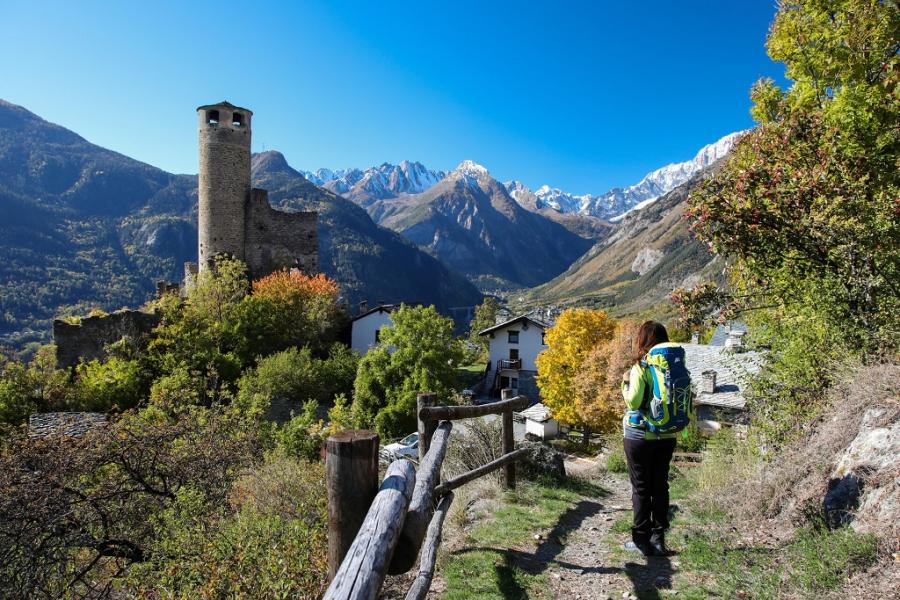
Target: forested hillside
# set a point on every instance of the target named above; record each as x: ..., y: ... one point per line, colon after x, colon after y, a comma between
x: 82, y: 227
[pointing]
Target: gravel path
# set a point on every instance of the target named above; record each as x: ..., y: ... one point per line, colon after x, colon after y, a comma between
x: 582, y: 555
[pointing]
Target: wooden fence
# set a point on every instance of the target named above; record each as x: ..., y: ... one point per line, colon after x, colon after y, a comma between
x: 375, y: 531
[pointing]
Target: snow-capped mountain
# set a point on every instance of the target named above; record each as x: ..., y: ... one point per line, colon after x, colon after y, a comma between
x: 615, y: 203
x: 384, y: 181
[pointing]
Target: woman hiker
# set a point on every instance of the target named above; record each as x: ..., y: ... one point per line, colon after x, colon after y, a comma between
x: 648, y: 454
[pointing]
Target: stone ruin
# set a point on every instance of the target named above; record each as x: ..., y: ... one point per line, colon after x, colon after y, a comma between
x: 234, y: 219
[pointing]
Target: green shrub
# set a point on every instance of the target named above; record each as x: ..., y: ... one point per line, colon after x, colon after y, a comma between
x: 303, y: 435
x: 691, y: 439
x: 101, y: 386
x: 16, y: 401
x: 295, y: 376
x: 254, y: 553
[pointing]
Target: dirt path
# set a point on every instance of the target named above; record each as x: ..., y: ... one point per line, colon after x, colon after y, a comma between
x: 583, y: 554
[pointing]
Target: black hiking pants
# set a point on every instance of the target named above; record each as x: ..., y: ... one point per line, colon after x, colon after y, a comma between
x: 648, y: 469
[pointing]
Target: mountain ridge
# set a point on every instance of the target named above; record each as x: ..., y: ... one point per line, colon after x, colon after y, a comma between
x: 84, y: 227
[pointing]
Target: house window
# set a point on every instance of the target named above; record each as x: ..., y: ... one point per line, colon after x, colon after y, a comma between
x: 513, y: 354
x: 514, y: 383
x: 513, y: 337
x: 212, y: 117
x: 237, y: 119
x: 543, y: 341
x: 377, y: 335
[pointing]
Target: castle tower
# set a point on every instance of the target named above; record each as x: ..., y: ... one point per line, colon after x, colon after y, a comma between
x: 224, y: 186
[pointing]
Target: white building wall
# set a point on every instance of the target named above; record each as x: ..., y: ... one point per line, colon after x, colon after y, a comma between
x: 362, y: 333
x: 529, y: 344
x: 548, y: 430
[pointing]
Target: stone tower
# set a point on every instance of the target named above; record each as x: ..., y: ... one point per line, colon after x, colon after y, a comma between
x: 224, y: 186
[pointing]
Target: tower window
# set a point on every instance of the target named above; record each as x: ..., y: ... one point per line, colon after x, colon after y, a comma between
x: 212, y: 117
x: 237, y: 119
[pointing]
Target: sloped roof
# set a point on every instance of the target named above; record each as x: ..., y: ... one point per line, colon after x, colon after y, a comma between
x: 70, y: 424
x: 380, y: 308
x: 505, y: 324
x: 732, y: 371
x: 538, y: 413
x: 721, y: 333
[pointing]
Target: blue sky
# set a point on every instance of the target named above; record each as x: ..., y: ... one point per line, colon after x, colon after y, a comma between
x: 580, y: 95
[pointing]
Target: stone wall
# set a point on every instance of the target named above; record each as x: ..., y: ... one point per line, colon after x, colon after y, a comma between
x: 88, y: 339
x: 276, y: 239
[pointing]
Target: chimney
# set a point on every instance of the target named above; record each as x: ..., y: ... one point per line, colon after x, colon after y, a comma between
x: 695, y: 337
x: 708, y: 382
x: 735, y: 339
x: 363, y: 306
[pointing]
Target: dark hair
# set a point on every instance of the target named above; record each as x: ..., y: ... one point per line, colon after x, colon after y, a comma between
x: 650, y: 334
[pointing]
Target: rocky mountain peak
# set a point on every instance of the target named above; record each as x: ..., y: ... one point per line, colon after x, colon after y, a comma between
x: 470, y: 168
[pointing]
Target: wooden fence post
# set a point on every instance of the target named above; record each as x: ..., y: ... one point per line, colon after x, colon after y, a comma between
x: 351, y: 476
x: 509, y: 470
x: 426, y: 427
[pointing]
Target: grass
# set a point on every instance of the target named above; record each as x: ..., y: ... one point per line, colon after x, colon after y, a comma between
x: 817, y: 561
x: 489, y: 575
x: 485, y: 570
x: 717, y: 561
x: 469, y: 375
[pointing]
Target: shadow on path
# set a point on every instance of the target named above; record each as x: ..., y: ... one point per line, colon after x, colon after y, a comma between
x: 545, y: 554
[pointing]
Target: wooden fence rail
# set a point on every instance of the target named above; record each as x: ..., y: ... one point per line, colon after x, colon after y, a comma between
x: 408, y: 512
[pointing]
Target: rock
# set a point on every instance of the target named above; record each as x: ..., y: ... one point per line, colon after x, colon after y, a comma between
x: 538, y: 537
x: 542, y: 461
x: 869, y: 457
x: 646, y: 259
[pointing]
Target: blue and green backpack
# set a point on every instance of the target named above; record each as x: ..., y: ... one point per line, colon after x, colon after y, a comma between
x: 668, y: 409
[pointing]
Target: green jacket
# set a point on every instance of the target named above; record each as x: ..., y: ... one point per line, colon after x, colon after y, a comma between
x: 638, y: 388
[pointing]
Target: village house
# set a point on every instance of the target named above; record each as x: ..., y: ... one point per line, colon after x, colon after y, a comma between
x: 719, y: 374
x: 365, y: 328
x: 513, y: 349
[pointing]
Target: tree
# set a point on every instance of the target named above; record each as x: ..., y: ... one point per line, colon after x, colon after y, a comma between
x: 35, y: 387
x: 201, y: 335
x: 77, y: 513
x: 115, y: 382
x: 571, y: 339
x: 485, y: 317
x: 290, y: 309
x: 805, y: 206
x: 295, y: 377
x: 598, y: 395
x: 806, y: 202
x: 417, y: 353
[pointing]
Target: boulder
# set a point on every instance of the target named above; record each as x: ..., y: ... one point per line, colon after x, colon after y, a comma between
x: 542, y: 462
x: 864, y: 481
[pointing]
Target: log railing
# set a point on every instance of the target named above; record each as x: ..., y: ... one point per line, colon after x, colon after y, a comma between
x: 408, y: 511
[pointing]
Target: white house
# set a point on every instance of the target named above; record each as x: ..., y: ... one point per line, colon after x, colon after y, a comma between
x: 365, y: 327
x: 514, y: 346
x: 539, y: 423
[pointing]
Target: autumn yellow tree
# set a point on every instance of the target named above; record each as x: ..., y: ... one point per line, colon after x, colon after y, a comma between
x: 598, y: 399
x: 575, y: 335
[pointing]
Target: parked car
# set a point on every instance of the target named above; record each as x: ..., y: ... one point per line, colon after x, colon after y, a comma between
x: 408, y: 447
